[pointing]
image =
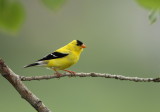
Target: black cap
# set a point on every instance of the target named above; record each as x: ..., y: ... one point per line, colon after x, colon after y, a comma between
x: 79, y: 43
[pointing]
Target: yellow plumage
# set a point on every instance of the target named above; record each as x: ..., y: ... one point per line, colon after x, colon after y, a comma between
x: 62, y: 58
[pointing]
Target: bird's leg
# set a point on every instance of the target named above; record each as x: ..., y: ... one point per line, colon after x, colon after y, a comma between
x: 57, y: 73
x: 73, y: 73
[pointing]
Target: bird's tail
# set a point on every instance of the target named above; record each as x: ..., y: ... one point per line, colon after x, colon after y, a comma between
x: 39, y: 63
x: 30, y: 65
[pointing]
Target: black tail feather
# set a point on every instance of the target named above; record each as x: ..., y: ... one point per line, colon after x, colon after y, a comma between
x: 30, y: 65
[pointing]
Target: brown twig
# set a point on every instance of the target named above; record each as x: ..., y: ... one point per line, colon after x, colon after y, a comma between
x: 25, y: 93
x: 119, y: 77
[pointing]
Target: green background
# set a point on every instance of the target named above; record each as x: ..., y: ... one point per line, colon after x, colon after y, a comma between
x: 119, y: 40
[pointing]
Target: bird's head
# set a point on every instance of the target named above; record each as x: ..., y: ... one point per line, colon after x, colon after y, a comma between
x: 76, y: 45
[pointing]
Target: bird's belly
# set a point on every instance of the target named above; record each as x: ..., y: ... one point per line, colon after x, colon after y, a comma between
x: 62, y: 63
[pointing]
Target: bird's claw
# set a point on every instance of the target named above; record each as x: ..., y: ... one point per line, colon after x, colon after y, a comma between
x: 71, y: 72
x: 58, y: 75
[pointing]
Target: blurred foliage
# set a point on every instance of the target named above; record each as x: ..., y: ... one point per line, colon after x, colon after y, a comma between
x: 53, y: 4
x: 153, y: 6
x: 153, y: 16
x: 149, y: 4
x: 11, y: 15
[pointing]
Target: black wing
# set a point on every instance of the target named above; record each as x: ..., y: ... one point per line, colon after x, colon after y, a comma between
x: 54, y: 55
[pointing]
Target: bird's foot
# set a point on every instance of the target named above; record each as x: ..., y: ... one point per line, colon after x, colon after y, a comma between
x: 71, y: 72
x: 58, y: 74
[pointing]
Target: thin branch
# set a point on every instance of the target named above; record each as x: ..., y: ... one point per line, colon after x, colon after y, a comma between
x: 25, y: 93
x: 118, y: 77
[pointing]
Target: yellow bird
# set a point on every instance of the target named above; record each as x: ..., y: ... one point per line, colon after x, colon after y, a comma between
x: 62, y: 58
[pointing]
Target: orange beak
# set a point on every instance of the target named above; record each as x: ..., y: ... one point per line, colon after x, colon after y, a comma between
x: 83, y: 46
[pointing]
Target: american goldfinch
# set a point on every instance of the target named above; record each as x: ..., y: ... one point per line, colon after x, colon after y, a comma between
x: 62, y: 58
